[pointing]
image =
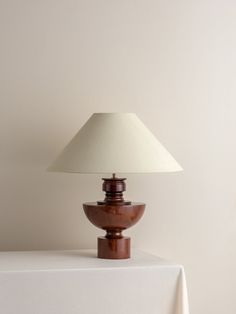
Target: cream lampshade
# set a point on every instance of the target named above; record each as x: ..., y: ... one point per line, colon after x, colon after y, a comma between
x: 114, y: 143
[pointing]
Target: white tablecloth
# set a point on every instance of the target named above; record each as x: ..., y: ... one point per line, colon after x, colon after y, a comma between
x: 76, y: 282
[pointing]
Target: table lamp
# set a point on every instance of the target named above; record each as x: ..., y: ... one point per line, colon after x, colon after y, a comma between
x: 114, y: 143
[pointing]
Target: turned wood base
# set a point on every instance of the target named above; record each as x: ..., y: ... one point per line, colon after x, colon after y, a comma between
x: 114, y: 215
x: 113, y: 248
x: 114, y: 219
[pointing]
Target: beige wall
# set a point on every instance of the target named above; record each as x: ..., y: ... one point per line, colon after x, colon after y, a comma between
x: 171, y: 62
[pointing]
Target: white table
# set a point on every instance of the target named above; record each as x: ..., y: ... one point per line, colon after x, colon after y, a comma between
x: 76, y: 282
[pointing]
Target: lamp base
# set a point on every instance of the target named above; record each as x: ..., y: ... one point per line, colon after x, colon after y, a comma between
x: 114, y: 215
x: 113, y: 248
x: 114, y: 219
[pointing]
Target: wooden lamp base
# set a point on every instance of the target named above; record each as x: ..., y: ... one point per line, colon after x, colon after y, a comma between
x: 113, y: 248
x: 114, y: 215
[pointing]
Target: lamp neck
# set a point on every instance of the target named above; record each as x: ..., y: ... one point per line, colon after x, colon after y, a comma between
x: 114, y: 188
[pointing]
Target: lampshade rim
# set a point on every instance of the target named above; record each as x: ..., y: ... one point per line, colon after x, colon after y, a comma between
x: 115, y: 113
x: 110, y: 172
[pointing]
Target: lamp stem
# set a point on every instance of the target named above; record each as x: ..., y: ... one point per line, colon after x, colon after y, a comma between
x: 114, y: 188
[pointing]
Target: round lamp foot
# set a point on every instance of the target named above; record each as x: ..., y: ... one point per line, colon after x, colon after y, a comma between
x: 118, y: 248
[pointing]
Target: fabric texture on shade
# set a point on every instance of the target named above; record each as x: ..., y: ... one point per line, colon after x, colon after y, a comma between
x: 114, y: 143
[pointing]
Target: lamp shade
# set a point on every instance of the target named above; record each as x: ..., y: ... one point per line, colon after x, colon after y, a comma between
x: 114, y: 143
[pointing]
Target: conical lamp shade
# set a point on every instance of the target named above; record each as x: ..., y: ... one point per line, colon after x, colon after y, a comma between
x: 114, y: 143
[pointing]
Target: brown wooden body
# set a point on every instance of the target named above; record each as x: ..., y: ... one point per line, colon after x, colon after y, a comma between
x: 114, y: 219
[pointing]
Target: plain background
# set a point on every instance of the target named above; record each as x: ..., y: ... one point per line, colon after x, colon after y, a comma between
x: 173, y: 64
